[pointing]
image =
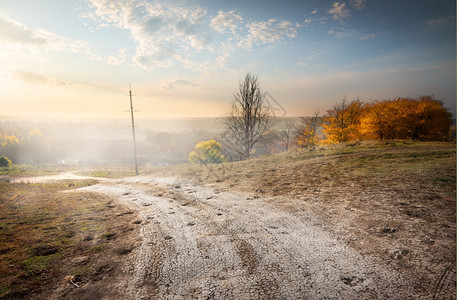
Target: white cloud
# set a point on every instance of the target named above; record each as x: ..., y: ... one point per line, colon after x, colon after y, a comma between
x: 30, y: 77
x: 368, y: 36
x: 437, y: 23
x: 344, y: 33
x: 37, y: 78
x: 268, y: 32
x: 178, y: 83
x: 339, y: 11
x: 161, y: 32
x: 281, y: 70
x: 22, y: 42
x: 226, y: 21
x: 314, y: 11
x: 310, y: 21
x: 168, y: 35
x: 304, y: 62
x: 17, y: 36
x: 16, y: 32
x: 359, y: 4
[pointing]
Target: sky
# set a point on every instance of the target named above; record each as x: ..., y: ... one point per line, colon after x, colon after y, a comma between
x: 185, y: 58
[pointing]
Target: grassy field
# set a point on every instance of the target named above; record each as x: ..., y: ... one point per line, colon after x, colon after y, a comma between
x: 424, y: 161
x: 106, y: 171
x: 394, y: 201
x: 44, y: 227
x: 34, y: 170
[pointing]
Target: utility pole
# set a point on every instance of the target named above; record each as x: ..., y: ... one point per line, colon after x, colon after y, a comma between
x: 133, y: 129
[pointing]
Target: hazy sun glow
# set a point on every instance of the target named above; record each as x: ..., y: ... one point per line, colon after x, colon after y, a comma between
x: 185, y: 59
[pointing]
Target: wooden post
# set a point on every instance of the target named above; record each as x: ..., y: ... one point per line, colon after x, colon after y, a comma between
x: 133, y: 130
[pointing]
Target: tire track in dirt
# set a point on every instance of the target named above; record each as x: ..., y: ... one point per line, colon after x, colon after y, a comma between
x: 444, y: 282
x: 203, y: 244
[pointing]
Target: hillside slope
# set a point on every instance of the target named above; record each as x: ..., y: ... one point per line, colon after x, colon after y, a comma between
x: 392, y: 201
x: 354, y: 221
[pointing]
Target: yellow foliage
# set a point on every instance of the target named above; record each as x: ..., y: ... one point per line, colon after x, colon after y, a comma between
x: 35, y: 133
x: 418, y: 119
x: 207, y: 152
x: 342, y: 122
x: 308, y: 132
x: 424, y: 118
x: 9, y: 140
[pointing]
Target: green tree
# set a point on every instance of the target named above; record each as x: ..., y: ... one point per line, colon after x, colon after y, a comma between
x: 207, y: 152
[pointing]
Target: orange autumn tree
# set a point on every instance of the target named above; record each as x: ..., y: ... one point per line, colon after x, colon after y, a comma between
x: 307, y: 134
x: 342, y: 122
x: 429, y: 120
x: 381, y: 121
x: 423, y: 119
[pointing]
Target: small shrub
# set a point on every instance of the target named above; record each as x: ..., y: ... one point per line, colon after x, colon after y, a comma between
x: 208, y: 152
x: 5, y: 162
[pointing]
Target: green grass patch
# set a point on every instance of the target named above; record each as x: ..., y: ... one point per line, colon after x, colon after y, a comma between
x: 37, y: 265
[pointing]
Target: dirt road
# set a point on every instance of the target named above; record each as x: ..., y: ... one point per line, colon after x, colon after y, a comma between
x: 201, y: 243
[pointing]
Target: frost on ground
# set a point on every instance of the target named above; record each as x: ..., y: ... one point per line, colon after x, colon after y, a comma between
x: 369, y: 223
x: 202, y: 243
x: 373, y: 223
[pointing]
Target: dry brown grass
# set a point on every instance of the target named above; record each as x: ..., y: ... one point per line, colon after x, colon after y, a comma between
x: 391, y: 201
x: 43, y: 227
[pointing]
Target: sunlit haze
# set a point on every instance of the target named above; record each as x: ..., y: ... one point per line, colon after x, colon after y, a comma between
x: 76, y: 59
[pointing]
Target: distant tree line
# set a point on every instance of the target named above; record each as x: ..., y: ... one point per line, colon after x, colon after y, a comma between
x: 248, y: 129
x: 31, y: 146
x: 249, y: 124
x: 421, y: 119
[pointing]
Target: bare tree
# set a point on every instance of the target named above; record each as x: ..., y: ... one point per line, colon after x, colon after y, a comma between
x: 248, y: 118
x: 286, y: 136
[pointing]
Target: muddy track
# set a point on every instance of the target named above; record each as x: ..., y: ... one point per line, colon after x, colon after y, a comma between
x: 199, y: 243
